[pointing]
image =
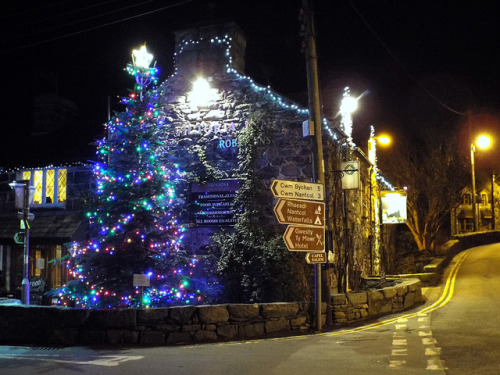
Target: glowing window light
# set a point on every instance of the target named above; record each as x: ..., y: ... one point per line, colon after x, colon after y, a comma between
x: 49, y: 185
x: 38, y: 183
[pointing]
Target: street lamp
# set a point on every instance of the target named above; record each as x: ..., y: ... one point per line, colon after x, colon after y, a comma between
x: 483, y: 141
x: 142, y: 71
x: 347, y: 107
x: 375, y: 200
x: 24, y: 197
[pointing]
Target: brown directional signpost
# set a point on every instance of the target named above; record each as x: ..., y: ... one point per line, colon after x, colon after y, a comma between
x: 305, y: 214
x: 313, y: 258
x: 298, y: 190
x: 292, y: 211
x: 304, y: 238
x: 301, y: 204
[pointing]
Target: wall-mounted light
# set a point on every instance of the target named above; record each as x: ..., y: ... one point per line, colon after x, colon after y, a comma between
x: 202, y: 93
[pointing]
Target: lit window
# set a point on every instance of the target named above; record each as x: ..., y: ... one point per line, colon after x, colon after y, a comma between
x: 38, y: 183
x: 484, y: 199
x: 61, y: 187
x: 49, y: 184
x: 466, y: 199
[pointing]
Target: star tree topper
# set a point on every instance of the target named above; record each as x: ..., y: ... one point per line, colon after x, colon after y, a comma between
x: 141, y: 57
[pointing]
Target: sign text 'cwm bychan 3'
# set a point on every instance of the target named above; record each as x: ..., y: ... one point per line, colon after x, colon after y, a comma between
x: 298, y: 190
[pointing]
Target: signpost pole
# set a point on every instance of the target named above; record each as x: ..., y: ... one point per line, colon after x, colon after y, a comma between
x: 317, y: 141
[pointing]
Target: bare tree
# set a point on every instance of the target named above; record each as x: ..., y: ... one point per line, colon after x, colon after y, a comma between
x: 434, y: 172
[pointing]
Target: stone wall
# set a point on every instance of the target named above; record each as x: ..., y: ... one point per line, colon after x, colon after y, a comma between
x: 354, y: 307
x: 30, y: 325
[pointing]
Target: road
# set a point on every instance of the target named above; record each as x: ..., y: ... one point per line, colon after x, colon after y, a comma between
x: 456, y: 332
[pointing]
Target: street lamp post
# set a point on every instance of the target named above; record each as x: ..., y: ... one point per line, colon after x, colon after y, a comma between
x: 473, y: 175
x: 484, y: 142
x: 347, y: 106
x: 493, y: 217
x: 24, y: 197
x: 375, y: 205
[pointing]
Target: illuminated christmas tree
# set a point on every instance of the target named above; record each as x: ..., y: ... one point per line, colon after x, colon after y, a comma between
x: 135, y: 229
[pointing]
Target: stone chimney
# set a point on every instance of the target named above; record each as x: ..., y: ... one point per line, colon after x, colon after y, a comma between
x: 206, y: 50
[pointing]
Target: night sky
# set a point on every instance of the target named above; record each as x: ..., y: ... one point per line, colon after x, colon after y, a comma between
x: 421, y: 62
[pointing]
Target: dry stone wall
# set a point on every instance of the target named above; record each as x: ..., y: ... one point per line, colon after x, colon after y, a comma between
x: 42, y: 325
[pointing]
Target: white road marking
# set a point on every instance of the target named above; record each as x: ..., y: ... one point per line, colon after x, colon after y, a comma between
x: 429, y: 341
x: 105, y: 360
x: 423, y: 333
x: 399, y: 352
x: 399, y: 342
x: 432, y: 351
x: 434, y: 364
x: 396, y: 364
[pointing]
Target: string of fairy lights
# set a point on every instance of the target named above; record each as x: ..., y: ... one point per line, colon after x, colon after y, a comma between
x: 113, y: 228
x: 226, y: 41
x: 146, y: 220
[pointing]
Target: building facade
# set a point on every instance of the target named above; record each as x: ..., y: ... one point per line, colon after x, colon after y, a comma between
x: 59, y: 198
x: 487, y: 210
x: 205, y: 127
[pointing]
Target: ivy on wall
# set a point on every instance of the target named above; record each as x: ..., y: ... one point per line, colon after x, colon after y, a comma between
x: 253, y: 262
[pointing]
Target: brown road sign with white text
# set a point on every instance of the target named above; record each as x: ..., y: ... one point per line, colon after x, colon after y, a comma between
x: 298, y: 190
x: 313, y: 258
x: 289, y: 211
x: 301, y: 238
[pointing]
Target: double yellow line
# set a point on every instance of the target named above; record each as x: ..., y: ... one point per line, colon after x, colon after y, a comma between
x: 446, y: 296
x: 442, y: 301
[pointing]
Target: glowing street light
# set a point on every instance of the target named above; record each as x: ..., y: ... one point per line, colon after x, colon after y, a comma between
x: 141, y: 70
x: 483, y: 141
x: 384, y: 139
x: 347, y: 107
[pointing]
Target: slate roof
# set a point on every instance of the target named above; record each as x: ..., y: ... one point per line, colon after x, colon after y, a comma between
x: 46, y: 228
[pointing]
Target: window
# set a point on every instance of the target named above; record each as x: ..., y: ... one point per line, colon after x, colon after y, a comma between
x: 484, y: 199
x: 50, y: 186
x: 466, y: 225
x: 466, y: 198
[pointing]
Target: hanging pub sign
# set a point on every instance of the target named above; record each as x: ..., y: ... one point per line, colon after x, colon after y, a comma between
x: 350, y: 174
x: 393, y: 206
x: 212, y: 202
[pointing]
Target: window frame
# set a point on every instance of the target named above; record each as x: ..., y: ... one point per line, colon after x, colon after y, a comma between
x: 484, y: 199
x: 43, y: 189
x: 467, y: 199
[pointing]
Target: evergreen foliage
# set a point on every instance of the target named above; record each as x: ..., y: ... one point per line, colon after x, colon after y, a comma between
x: 254, y: 264
x: 135, y: 227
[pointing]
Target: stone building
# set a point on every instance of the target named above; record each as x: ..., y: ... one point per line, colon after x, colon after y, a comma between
x: 487, y: 210
x: 206, y: 133
x: 207, y: 105
x: 58, y: 204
